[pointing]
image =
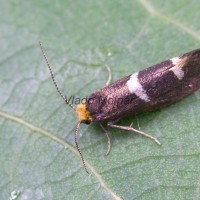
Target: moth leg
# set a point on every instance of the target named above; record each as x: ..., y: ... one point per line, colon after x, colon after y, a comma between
x: 109, y: 75
x: 130, y: 128
x: 108, y: 139
x: 131, y: 124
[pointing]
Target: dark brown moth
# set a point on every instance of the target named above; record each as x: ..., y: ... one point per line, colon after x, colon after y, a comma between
x: 143, y: 91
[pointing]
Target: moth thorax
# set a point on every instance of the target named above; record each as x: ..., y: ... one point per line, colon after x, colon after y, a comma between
x: 82, y: 114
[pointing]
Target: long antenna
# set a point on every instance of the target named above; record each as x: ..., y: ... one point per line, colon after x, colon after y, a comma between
x: 77, y: 146
x: 53, y: 78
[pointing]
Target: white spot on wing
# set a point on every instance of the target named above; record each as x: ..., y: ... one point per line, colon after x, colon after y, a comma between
x: 178, y: 64
x: 135, y: 87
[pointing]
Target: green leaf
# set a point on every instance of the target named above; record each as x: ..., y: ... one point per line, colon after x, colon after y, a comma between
x: 38, y: 156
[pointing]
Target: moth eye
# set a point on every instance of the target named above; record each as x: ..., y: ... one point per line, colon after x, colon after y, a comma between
x: 87, y: 122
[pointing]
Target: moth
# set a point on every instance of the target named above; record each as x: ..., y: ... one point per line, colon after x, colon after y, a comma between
x: 149, y: 89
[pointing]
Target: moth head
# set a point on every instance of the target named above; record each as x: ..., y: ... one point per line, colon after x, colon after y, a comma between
x: 82, y: 114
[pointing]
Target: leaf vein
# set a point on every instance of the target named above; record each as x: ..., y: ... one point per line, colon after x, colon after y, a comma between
x: 62, y: 142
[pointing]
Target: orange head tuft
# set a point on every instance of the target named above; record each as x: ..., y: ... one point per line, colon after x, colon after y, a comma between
x: 83, y: 115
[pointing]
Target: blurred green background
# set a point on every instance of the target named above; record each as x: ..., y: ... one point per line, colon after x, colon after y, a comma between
x: 80, y: 37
